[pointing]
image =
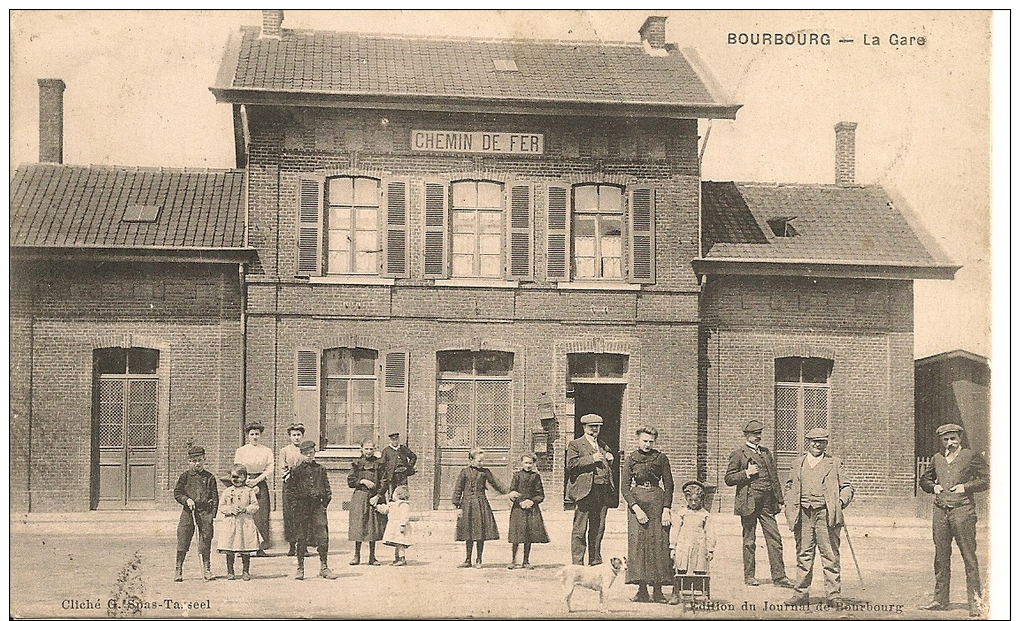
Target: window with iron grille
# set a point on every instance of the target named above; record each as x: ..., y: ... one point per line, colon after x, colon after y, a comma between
x: 349, y: 409
x: 474, y: 391
x: 802, y: 401
x: 352, y: 224
x: 128, y: 397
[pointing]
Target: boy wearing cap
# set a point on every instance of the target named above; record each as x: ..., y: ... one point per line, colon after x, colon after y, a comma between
x: 953, y: 476
x: 310, y: 492
x: 199, y: 497
x: 752, y: 470
x: 590, y: 486
x: 817, y: 492
x: 290, y: 456
x: 398, y: 462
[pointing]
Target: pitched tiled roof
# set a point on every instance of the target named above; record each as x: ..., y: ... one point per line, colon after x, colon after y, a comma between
x: 60, y: 206
x: 303, y: 61
x: 846, y: 225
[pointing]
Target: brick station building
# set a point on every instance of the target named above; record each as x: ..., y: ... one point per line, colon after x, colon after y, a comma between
x: 474, y: 242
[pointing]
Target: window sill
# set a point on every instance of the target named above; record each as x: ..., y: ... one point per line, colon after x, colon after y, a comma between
x: 350, y: 279
x: 598, y: 285
x: 488, y: 283
x: 339, y: 453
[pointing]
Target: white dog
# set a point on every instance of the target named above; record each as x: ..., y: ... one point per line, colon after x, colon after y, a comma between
x: 598, y: 578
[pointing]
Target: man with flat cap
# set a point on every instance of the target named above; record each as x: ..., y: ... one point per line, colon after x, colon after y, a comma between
x: 752, y: 470
x: 199, y: 497
x: 590, y: 486
x: 816, y: 494
x: 398, y: 463
x: 954, y: 475
x: 311, y: 494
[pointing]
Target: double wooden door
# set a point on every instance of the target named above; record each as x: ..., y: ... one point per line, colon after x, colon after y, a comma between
x: 125, y: 427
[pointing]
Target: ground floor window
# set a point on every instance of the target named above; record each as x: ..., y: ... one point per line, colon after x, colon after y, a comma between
x: 802, y: 403
x: 348, y: 396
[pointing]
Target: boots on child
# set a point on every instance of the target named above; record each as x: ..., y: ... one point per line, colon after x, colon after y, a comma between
x: 300, y: 575
x: 206, y: 569
x: 179, y: 571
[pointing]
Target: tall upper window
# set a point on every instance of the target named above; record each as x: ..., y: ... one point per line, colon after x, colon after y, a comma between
x: 802, y: 400
x: 598, y: 232
x: 353, y: 225
x: 477, y: 229
x: 348, y: 396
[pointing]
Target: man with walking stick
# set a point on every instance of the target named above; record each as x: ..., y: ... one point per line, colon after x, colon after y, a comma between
x: 816, y: 494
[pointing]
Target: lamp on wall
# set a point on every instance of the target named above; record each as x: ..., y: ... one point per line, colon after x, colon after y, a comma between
x: 546, y: 409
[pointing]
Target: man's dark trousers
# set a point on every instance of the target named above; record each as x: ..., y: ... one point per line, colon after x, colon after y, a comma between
x: 773, y: 540
x: 958, y: 523
x: 590, y: 514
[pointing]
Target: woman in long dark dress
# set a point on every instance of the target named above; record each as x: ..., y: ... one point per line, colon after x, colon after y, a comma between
x: 368, y: 480
x: 475, y: 522
x: 649, y: 517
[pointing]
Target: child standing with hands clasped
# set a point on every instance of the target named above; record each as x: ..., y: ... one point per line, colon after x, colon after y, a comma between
x: 691, y: 538
x: 397, y: 526
x: 475, y: 522
x: 237, y: 531
x: 526, y: 523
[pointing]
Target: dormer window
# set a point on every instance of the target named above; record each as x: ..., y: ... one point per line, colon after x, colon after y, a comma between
x: 504, y: 65
x: 140, y: 213
x: 781, y: 227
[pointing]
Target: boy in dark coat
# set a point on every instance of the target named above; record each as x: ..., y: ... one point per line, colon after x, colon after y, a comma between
x: 199, y: 497
x: 308, y: 487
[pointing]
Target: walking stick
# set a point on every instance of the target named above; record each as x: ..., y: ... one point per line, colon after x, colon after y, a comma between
x: 853, y: 555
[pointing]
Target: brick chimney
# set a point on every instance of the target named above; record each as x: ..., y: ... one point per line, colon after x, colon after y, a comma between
x: 51, y: 120
x: 272, y: 23
x: 845, y: 147
x: 654, y: 31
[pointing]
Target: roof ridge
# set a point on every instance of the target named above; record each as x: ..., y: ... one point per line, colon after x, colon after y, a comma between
x: 780, y: 184
x: 129, y: 168
x: 389, y: 35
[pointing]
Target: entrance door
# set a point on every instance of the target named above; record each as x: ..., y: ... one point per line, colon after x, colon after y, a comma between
x: 473, y: 409
x: 124, y: 427
x: 606, y: 400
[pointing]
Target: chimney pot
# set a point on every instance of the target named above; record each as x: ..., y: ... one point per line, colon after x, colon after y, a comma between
x: 845, y: 152
x: 272, y: 23
x: 51, y: 120
x: 653, y: 31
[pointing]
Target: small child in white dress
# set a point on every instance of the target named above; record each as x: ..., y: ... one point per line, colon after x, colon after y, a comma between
x: 398, y: 526
x: 691, y: 538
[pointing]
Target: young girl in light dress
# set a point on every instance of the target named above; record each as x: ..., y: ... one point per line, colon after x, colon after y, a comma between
x: 236, y: 532
x: 691, y: 538
x: 398, y: 527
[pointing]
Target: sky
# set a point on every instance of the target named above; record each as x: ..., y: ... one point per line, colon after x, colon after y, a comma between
x: 138, y: 94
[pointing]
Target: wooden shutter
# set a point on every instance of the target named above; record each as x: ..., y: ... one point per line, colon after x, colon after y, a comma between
x: 436, y: 259
x: 557, y: 265
x: 642, y: 234
x: 521, y: 256
x: 306, y: 392
x: 395, y: 259
x: 309, y: 243
x: 394, y: 401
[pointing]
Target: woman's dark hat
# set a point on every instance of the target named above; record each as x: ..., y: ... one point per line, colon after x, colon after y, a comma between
x: 254, y: 425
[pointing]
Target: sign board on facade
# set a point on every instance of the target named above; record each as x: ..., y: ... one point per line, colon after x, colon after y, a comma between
x: 477, y: 142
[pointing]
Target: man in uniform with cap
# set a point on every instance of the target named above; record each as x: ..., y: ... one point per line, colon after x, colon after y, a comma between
x: 199, y: 497
x: 816, y: 494
x: 590, y: 486
x: 752, y: 470
x: 309, y: 488
x: 398, y: 463
x: 954, y: 475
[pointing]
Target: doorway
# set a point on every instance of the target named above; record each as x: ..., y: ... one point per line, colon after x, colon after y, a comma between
x: 606, y: 400
x: 124, y: 415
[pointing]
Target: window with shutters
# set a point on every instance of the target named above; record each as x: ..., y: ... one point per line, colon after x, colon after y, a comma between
x: 477, y: 229
x: 349, y: 409
x: 597, y: 232
x: 352, y: 225
x: 802, y: 401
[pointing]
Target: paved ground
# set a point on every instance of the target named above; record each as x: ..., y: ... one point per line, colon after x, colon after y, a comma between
x: 69, y: 566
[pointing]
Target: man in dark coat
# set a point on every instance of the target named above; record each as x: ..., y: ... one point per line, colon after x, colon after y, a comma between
x: 752, y: 470
x: 308, y: 486
x: 954, y: 476
x: 398, y: 462
x: 590, y: 486
x: 199, y: 497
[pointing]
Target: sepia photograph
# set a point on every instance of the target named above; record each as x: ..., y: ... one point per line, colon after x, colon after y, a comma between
x: 503, y: 314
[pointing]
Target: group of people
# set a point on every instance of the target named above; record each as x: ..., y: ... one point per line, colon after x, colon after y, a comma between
x: 665, y: 543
